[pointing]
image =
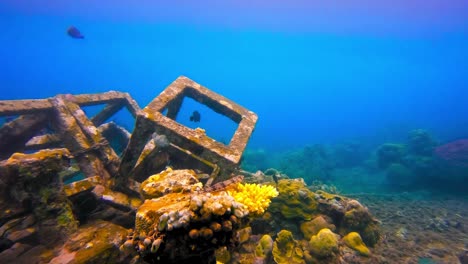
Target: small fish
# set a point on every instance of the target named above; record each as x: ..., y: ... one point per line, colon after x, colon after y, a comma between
x: 74, y: 33
x: 195, y: 117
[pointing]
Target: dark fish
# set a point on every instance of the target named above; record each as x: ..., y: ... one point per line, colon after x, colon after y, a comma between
x: 74, y: 33
x: 195, y: 117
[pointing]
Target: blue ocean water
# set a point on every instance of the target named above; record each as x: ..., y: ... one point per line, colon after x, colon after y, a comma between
x: 373, y: 80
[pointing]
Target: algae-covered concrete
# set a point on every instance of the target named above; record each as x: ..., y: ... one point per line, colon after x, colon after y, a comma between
x: 201, y: 151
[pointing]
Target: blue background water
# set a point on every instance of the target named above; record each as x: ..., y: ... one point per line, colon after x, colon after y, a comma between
x: 312, y: 72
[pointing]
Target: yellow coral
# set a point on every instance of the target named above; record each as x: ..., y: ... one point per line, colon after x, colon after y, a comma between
x: 264, y: 246
x: 325, y: 243
x: 255, y: 197
x: 354, y: 241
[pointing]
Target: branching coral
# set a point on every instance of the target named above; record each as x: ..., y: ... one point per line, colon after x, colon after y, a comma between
x: 254, y: 196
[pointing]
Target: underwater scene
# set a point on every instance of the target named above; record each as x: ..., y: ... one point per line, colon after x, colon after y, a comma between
x: 253, y: 132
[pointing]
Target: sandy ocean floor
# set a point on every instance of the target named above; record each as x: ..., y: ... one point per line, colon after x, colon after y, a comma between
x: 419, y: 228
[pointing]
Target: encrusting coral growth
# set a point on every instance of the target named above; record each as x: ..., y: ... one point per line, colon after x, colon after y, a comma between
x: 264, y: 247
x: 286, y: 249
x: 294, y: 201
x: 354, y: 241
x: 169, y: 181
x: 325, y: 243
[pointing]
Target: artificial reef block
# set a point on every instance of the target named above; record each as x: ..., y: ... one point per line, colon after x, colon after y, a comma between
x: 286, y: 249
x: 354, y: 241
x: 15, y: 134
x: 294, y: 201
x: 82, y: 186
x: 32, y: 182
x: 97, y: 243
x: 325, y: 243
x: 170, y: 181
x: 68, y: 126
x: 159, y: 117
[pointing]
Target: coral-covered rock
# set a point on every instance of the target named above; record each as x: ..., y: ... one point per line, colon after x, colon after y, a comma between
x: 354, y: 241
x: 97, y: 243
x: 223, y: 255
x: 324, y: 244
x: 312, y: 227
x: 169, y: 181
x: 349, y: 215
x: 357, y: 216
x: 294, y: 201
x: 286, y: 249
x: 191, y: 224
x: 264, y: 247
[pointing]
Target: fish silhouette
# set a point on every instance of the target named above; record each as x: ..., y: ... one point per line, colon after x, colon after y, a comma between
x: 74, y: 33
x: 195, y: 117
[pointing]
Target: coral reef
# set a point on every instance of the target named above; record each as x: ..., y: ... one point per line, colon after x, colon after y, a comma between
x: 286, y: 249
x: 264, y: 247
x: 294, y: 201
x: 421, y: 164
x: 354, y: 241
x: 324, y: 244
x: 297, y: 203
x: 312, y: 227
x: 196, y: 222
x: 255, y: 197
x: 168, y: 181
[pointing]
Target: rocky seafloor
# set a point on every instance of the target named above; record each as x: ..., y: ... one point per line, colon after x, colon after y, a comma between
x: 419, y: 228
